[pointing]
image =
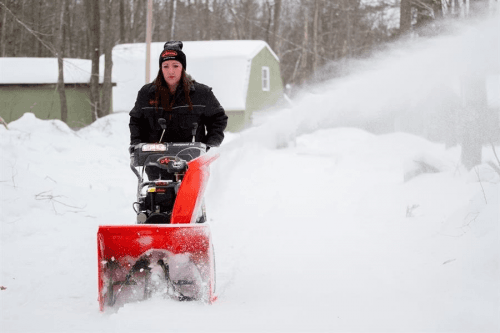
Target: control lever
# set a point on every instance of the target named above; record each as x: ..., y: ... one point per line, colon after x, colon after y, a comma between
x: 163, y: 125
x: 193, y: 132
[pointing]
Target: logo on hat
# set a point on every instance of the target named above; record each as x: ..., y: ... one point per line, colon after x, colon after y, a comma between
x: 169, y: 53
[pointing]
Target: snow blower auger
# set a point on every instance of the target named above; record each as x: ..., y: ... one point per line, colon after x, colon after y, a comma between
x: 169, y: 251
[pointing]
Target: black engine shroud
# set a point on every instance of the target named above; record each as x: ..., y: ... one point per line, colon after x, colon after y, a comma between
x: 165, y: 165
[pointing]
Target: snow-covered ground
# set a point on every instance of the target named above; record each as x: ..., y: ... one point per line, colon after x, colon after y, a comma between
x: 328, y: 232
x: 322, y: 235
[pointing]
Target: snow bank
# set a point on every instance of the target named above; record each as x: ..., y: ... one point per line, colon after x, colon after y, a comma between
x: 324, y: 226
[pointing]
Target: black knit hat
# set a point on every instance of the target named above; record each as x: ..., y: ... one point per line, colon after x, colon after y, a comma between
x: 172, y: 50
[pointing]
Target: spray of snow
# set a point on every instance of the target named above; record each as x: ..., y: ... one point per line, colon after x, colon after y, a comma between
x: 416, y: 77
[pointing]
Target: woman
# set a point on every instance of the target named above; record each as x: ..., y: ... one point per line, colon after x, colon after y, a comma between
x: 185, y: 104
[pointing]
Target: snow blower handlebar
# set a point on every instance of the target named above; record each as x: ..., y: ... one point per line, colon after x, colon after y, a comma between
x: 143, y: 153
x: 163, y: 125
x: 193, y: 132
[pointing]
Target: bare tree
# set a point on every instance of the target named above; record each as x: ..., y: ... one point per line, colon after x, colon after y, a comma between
x: 269, y: 17
x: 315, y: 36
x: 276, y: 24
x: 138, y: 23
x: 305, y: 47
x: 122, y: 21
x: 158, y: 15
x: 236, y: 20
x: 3, y: 28
x: 94, y: 22
x: 208, y: 19
x: 405, y: 16
x: 108, y: 61
x: 427, y: 11
x: 59, y: 47
x: 67, y: 35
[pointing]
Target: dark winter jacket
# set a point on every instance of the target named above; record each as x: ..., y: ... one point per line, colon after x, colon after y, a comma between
x: 207, y: 113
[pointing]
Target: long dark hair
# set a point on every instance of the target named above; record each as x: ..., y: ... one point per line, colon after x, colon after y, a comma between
x: 164, y: 97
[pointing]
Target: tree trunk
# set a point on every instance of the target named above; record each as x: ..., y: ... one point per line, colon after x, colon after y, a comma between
x: 157, y: 21
x: 405, y: 17
x: 59, y: 47
x: 190, y: 9
x: 236, y: 21
x: 137, y: 27
x: 68, y: 36
x: 269, y: 21
x: 347, y: 11
x: 93, y: 18
x: 427, y: 12
x: 305, y: 48
x: 315, y: 36
x: 38, y: 26
x: 107, y: 88
x: 276, y: 24
x: 207, y: 31
x: 11, y: 35
x: 3, y: 42
x: 20, y: 39
x: 122, y: 21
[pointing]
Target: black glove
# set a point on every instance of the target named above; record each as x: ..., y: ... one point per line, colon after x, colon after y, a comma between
x: 131, y: 149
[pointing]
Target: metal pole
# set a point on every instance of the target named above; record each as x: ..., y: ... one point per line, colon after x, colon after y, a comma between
x: 149, y: 24
x: 174, y: 9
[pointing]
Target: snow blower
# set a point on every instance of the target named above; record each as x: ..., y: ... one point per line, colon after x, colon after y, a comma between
x: 169, y: 251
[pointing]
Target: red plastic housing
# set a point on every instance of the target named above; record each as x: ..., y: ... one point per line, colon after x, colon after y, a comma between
x: 190, y: 196
x: 125, y: 245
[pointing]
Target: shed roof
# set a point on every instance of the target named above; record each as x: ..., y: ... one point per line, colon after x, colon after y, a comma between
x: 43, y: 70
x: 223, y: 65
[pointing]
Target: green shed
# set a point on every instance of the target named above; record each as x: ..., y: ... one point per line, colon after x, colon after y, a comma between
x: 29, y: 85
x: 244, y: 74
